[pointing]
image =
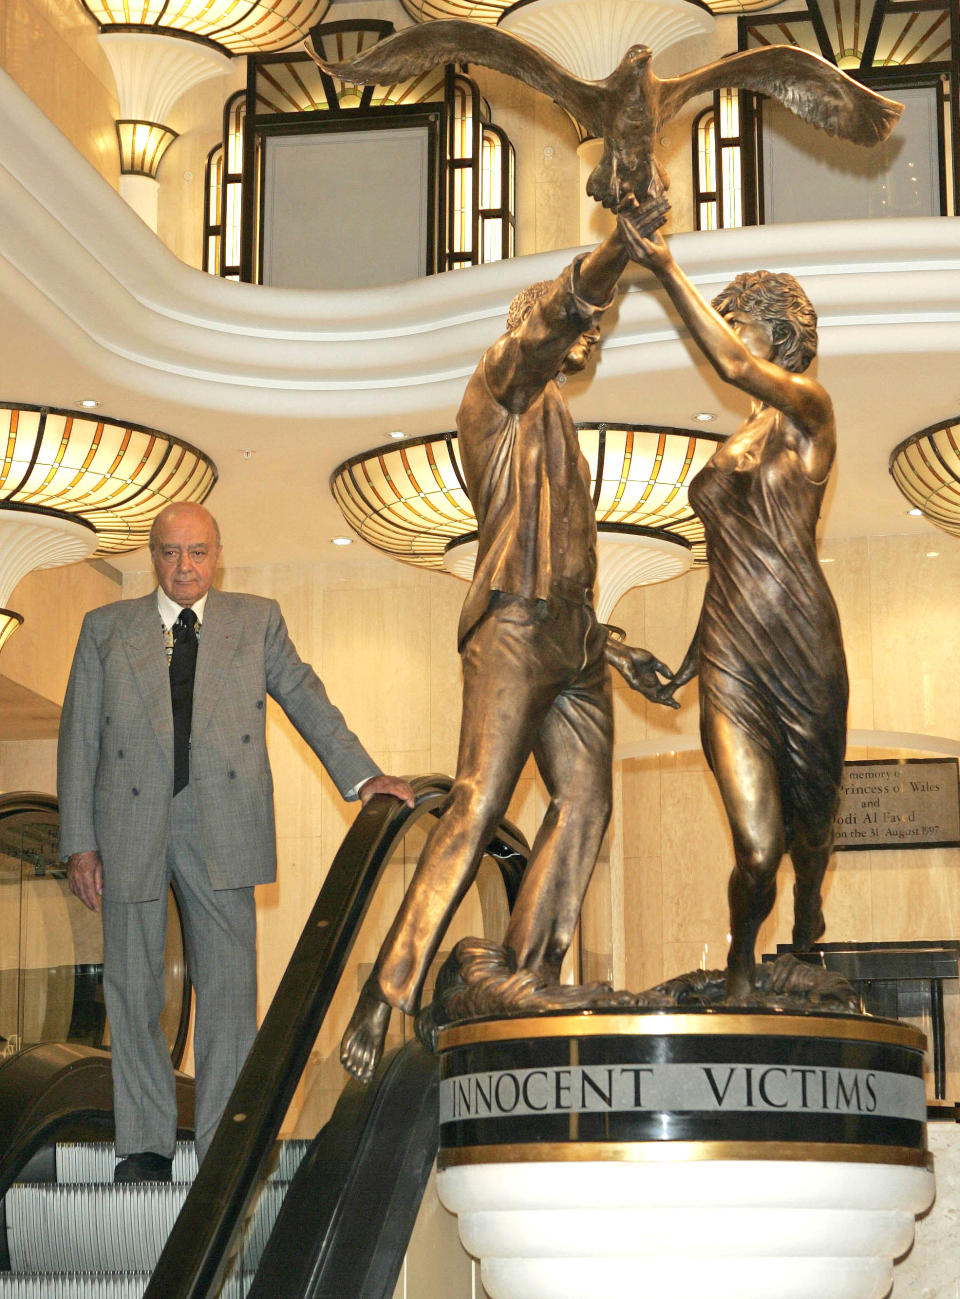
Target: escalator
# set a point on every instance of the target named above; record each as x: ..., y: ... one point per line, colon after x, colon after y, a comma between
x: 320, y: 1217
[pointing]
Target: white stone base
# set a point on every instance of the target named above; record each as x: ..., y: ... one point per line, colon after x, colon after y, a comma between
x: 932, y: 1268
x: 687, y: 1230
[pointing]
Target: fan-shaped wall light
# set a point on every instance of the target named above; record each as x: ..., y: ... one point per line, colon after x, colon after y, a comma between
x: 410, y: 501
x: 159, y: 49
x: 72, y: 483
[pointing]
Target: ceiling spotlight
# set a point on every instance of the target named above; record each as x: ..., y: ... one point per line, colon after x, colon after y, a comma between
x: 915, y: 513
x: 342, y: 541
x: 397, y: 433
x: 933, y: 554
x: 704, y: 417
x: 248, y: 453
x: 89, y: 402
x: 826, y: 561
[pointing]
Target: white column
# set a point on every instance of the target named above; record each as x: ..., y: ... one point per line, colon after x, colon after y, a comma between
x: 142, y: 193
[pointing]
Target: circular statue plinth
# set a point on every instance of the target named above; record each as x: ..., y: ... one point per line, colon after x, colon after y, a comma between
x: 717, y: 1155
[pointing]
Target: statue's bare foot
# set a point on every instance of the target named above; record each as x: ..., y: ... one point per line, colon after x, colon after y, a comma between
x: 362, y: 1044
x: 740, y: 990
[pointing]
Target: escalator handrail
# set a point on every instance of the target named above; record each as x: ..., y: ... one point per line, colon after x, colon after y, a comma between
x: 26, y: 801
x: 197, y: 1251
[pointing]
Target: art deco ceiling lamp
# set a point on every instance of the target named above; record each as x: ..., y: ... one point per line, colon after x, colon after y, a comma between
x: 616, y: 16
x: 409, y: 500
x: 72, y: 484
x: 926, y: 468
x: 159, y: 49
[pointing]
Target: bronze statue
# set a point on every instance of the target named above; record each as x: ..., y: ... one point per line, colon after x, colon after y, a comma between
x: 773, y: 679
x: 534, y: 657
x: 630, y: 107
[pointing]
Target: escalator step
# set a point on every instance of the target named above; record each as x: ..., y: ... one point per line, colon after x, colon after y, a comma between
x: 84, y: 1285
x: 111, y: 1228
x: 94, y: 1161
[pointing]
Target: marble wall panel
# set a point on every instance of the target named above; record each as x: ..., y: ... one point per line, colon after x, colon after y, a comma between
x: 643, y: 923
x: 916, y: 620
x: 53, y: 598
x: 915, y: 893
x: 846, y: 566
x: 28, y: 765
x: 50, y: 49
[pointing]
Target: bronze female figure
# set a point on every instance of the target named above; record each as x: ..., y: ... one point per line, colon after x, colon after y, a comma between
x: 773, y: 680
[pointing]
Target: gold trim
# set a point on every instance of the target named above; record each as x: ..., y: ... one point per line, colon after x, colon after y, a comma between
x: 593, y: 1024
x: 676, y: 1152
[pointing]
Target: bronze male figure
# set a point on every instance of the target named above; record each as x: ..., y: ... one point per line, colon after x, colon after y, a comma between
x: 535, y: 658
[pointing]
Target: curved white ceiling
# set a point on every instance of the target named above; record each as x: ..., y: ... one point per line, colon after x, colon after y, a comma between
x: 93, y: 303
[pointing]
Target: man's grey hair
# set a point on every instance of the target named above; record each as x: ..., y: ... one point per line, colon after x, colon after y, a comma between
x: 153, y: 525
x: 522, y: 303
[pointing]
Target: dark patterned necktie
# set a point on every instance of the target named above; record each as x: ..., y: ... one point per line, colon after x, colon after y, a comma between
x: 183, y: 664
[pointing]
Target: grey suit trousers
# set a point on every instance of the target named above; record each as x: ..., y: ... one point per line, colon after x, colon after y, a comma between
x: 220, y: 935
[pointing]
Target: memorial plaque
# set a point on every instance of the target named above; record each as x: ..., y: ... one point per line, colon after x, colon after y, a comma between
x: 913, y: 803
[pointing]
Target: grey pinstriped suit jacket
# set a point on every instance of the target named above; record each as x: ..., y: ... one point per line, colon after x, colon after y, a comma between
x: 115, y: 755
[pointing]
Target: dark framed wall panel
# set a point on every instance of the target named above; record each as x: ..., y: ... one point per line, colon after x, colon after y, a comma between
x: 341, y: 202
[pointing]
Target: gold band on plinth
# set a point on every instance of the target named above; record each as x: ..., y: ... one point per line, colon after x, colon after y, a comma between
x: 657, y: 1024
x: 676, y: 1152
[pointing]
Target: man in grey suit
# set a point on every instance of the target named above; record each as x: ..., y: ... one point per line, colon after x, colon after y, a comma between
x: 163, y: 774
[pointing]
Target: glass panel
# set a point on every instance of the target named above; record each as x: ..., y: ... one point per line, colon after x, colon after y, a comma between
x: 231, y: 223
x: 732, y: 187
x: 51, y: 946
x: 705, y: 152
x: 491, y: 239
x: 462, y: 121
x: 10, y: 837
x: 490, y: 187
x: 234, y: 141
x: 212, y: 215
x: 462, y: 210
x: 61, y: 950
x: 729, y: 114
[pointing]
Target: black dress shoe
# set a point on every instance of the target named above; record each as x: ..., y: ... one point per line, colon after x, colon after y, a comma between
x: 144, y: 1167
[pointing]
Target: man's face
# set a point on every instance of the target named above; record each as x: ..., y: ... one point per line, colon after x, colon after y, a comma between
x: 185, y: 554
x: 578, y: 356
x: 755, y: 335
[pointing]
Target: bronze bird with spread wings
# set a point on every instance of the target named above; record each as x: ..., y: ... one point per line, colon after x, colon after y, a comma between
x: 629, y: 108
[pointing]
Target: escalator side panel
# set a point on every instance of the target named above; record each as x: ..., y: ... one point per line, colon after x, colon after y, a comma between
x: 347, y: 1219
x: 57, y: 1085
